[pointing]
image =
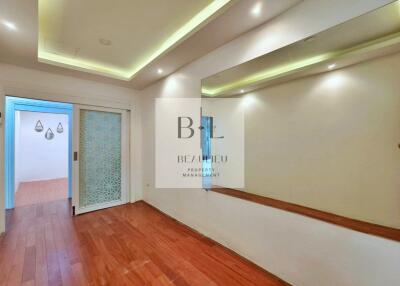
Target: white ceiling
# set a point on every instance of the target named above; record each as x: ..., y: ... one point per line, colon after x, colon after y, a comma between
x: 134, y: 27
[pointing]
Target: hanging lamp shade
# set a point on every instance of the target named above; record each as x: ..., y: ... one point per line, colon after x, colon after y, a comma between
x: 39, y: 126
x: 49, y: 134
x: 60, y: 128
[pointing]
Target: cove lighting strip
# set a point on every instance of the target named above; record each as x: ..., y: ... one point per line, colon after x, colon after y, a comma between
x: 83, y: 65
x: 285, y: 69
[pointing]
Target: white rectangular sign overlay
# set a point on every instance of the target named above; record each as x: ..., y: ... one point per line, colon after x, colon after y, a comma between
x: 199, y: 143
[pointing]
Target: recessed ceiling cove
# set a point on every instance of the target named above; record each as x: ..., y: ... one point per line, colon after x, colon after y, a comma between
x: 116, y: 38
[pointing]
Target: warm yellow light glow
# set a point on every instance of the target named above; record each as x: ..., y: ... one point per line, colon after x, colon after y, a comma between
x: 266, y: 74
x: 248, y: 100
x: 398, y: 3
x: 182, y: 32
x: 46, y: 7
x: 77, y: 64
x: 333, y: 80
x: 285, y: 69
x: 11, y: 26
x: 256, y: 10
x: 331, y: 66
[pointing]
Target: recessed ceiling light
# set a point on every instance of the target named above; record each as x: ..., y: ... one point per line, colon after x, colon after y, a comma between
x: 159, y: 71
x: 11, y: 26
x: 256, y: 10
x: 331, y: 66
x: 105, y: 42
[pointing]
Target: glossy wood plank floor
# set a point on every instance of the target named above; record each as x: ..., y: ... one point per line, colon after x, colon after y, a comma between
x: 132, y: 244
x: 41, y: 191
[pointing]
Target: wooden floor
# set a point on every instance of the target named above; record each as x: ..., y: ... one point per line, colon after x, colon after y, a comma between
x: 132, y: 244
x: 41, y: 191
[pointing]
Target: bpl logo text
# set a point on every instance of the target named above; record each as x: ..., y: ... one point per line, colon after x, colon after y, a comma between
x: 188, y: 125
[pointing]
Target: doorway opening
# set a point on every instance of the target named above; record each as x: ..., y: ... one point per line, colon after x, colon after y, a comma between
x: 38, y: 151
x: 41, y: 157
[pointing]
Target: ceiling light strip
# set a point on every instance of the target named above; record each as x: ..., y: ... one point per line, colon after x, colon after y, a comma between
x: 76, y: 64
x: 183, y: 32
x: 283, y: 70
x: 83, y: 65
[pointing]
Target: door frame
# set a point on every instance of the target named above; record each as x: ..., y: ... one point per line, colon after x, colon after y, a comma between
x: 24, y: 104
x: 125, y: 155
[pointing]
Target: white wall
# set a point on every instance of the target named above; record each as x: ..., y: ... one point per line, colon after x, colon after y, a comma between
x: 37, y: 158
x: 300, y: 250
x: 23, y: 82
x: 330, y: 141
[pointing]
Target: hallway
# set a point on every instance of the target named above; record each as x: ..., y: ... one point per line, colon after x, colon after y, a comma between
x: 41, y: 191
x: 133, y: 244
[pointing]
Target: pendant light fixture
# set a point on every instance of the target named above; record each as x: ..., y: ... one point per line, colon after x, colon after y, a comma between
x: 60, y: 128
x: 39, y: 126
x: 49, y: 134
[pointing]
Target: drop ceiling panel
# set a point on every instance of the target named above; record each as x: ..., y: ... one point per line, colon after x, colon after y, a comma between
x: 117, y: 37
x: 113, y: 20
x: 134, y: 28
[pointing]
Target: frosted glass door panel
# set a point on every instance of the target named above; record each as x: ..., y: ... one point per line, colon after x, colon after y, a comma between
x: 100, y: 157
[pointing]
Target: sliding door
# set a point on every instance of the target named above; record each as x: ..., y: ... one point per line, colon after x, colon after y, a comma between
x: 100, y: 158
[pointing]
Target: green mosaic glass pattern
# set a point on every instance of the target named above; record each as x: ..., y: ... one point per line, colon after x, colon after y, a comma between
x: 100, y: 157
